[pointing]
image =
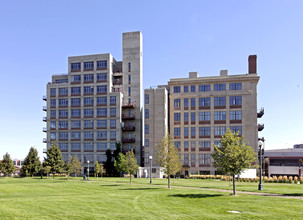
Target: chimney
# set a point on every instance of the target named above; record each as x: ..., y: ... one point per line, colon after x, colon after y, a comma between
x: 252, y: 64
x: 193, y: 74
x: 223, y: 72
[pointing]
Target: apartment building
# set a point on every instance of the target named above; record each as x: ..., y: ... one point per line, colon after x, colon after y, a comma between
x: 96, y: 104
x: 200, y: 109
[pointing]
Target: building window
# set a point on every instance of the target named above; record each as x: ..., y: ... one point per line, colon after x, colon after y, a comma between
x: 220, y: 87
x: 75, y: 102
x: 75, y: 90
x: 88, y: 90
x: 129, y: 79
x: 53, y: 135
x: 186, y: 133
x: 186, y: 144
x: 177, y: 103
x: 102, y: 112
x: 102, y: 64
x: 193, y: 116
x: 146, y: 129
x: 192, y: 88
x: 236, y: 129
x: 193, y: 132
x: 88, y: 77
x: 63, y: 102
x: 129, y: 67
x: 235, y: 86
x: 88, y: 147
x: 185, y: 103
x: 146, y: 98
x: 53, y: 92
x: 101, y: 146
x: 220, y: 101
x: 88, y: 135
x: 53, y: 113
x: 88, y: 101
x: 186, y: 159
x: 63, y: 135
x: 204, y: 102
x: 102, y: 77
x: 235, y: 100
x: 102, y: 123
x: 102, y: 135
x: 177, y: 116
x: 61, y: 81
x: 204, y: 144
x: 76, y: 124
x: 75, y: 113
x: 217, y: 143
x: 193, y: 160
x: 204, y: 88
x: 75, y: 146
x: 204, y: 116
x: 89, y: 65
x: 63, y: 113
x: 112, y: 100
x: 204, y: 131
x: 102, y: 89
x: 62, y: 124
x: 53, y: 125
x: 177, y: 144
x: 88, y: 113
x: 185, y: 116
x: 146, y: 113
x: 204, y: 159
x: 146, y: 142
x: 88, y: 124
x: 219, y: 131
x: 235, y: 115
x: 53, y: 103
x: 177, y: 132
x: 185, y: 88
x: 112, y: 123
x: 101, y: 100
x: 177, y: 89
x: 75, y: 67
x: 192, y: 102
x: 220, y: 116
x: 112, y: 112
x: 63, y: 91
x: 112, y: 134
x: 75, y: 78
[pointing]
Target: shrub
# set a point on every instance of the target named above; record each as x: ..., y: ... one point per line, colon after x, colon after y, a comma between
x: 280, y: 179
x: 296, y: 180
x: 275, y: 179
x: 301, y: 179
x: 290, y: 179
x: 285, y: 179
x: 266, y: 179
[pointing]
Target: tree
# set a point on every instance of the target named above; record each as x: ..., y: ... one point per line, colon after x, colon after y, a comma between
x: 54, y: 159
x: 97, y: 168
x: 127, y: 163
x: 168, y: 157
x: 46, y: 170
x: 7, y: 166
x: 233, y: 155
x: 101, y: 169
x: 116, y: 157
x: 31, y: 163
x: 76, y: 164
x: 109, y: 163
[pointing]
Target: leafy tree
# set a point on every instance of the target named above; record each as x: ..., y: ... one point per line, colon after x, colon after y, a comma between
x: 101, y: 169
x: 97, y: 168
x: 76, y: 164
x: 31, y: 162
x: 6, y: 165
x: 54, y: 159
x: 168, y: 157
x: 109, y: 163
x: 46, y: 170
x: 120, y: 164
x: 115, y: 156
x: 127, y: 163
x: 233, y: 155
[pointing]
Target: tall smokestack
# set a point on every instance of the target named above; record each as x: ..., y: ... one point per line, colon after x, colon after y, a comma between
x: 252, y: 64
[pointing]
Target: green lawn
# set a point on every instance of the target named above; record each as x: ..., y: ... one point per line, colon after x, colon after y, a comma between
x: 113, y: 198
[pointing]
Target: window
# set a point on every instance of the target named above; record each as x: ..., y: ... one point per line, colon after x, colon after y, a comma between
x: 193, y: 144
x: 204, y: 116
x: 193, y: 159
x: 102, y: 77
x: 177, y: 116
x: 75, y: 102
x: 193, y: 116
x: 102, y: 64
x: 76, y: 113
x: 101, y: 146
x: 217, y: 143
x: 235, y: 100
x: 112, y: 146
x: 185, y: 116
x: 146, y: 113
x: 186, y: 159
x: 53, y: 125
x: 192, y: 102
x: 102, y: 123
x: 185, y: 144
x: 220, y: 87
x: 204, y: 131
x: 53, y: 113
x: 63, y: 135
x: 219, y: 131
x: 177, y: 144
x: 76, y: 135
x: 62, y: 124
x: 75, y: 90
x: 63, y: 102
x: 63, y: 91
x: 192, y: 88
x: 146, y: 98
x: 88, y: 135
x: 75, y: 67
x: 61, y: 81
x: 146, y: 129
x: 220, y: 101
x: 235, y: 86
x: 129, y: 91
x: 236, y: 129
x: 63, y: 113
x: 89, y: 65
x: 185, y: 88
x: 88, y: 90
x: 129, y: 79
x: 102, y: 112
x: 53, y: 92
x: 129, y: 67
x: 88, y: 124
x: 177, y: 103
x: 112, y: 123
x: 220, y: 116
x: 75, y: 78
x: 186, y: 133
x: 88, y: 77
x: 185, y: 103
x: 101, y: 100
x: 112, y: 100
x: 89, y: 101
x: 101, y: 134
x: 112, y: 112
x: 76, y: 124
x: 177, y: 89
x: 102, y: 89
x: 112, y: 134
x: 53, y: 103
x: 193, y: 132
x: 177, y: 132
x: 204, y: 88
x: 88, y: 113
x: 53, y: 135
x: 75, y: 146
x: 88, y: 147
x: 204, y: 102
x: 204, y: 159
x: 235, y: 115
x: 146, y: 142
x: 204, y: 144
x: 101, y: 158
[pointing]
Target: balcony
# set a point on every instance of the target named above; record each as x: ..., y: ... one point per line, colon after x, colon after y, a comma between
x: 45, y: 119
x: 117, y: 82
x: 44, y: 108
x: 44, y: 140
x: 128, y: 128
x: 44, y: 98
x: 128, y: 117
x: 44, y: 150
x: 129, y: 105
x: 260, y: 127
x: 260, y: 113
x: 44, y: 129
x: 128, y: 140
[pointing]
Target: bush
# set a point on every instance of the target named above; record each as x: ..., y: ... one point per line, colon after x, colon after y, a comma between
x: 280, y: 179
x: 275, y: 179
x: 296, y: 180
x: 285, y: 179
x: 290, y: 179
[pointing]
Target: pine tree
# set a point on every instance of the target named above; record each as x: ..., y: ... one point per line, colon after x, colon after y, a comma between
x: 6, y: 165
x: 31, y: 163
x: 54, y: 159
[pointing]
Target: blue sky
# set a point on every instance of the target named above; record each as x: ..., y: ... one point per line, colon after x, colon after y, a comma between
x: 178, y: 36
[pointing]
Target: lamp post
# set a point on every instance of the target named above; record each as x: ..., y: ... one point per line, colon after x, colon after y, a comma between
x: 260, y: 144
x: 88, y: 170
x: 150, y: 169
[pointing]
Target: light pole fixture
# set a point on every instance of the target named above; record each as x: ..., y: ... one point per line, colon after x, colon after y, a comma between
x: 88, y: 170
x: 150, y: 169
x: 260, y: 144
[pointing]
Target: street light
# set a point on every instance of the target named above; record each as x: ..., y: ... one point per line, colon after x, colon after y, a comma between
x: 150, y: 169
x: 88, y: 170
x: 260, y: 144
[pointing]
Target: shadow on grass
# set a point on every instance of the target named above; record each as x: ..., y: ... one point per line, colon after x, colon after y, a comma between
x: 138, y: 188
x: 110, y: 185
x: 195, y: 196
x: 293, y: 194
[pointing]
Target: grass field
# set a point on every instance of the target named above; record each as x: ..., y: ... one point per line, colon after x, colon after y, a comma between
x: 113, y: 198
